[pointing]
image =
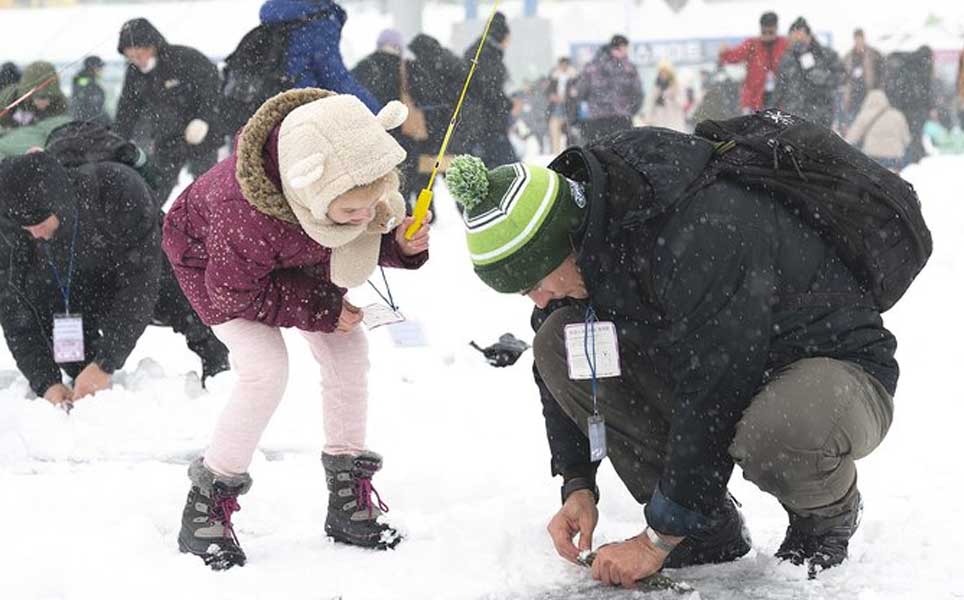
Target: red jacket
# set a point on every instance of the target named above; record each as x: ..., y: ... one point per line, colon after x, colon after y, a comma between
x: 760, y: 59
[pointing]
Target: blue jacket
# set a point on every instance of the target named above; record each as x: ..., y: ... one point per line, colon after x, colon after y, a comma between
x: 314, y: 56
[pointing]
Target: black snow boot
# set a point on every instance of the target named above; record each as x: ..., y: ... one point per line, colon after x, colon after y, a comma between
x: 728, y: 539
x: 820, y: 542
x: 206, y: 528
x: 352, y: 517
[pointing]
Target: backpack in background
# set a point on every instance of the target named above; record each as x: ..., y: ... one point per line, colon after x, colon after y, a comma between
x: 257, y: 70
x: 870, y: 215
x: 81, y: 143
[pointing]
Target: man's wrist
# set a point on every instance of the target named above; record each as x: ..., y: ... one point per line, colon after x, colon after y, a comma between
x: 103, y: 364
x: 575, y: 484
x: 664, y: 543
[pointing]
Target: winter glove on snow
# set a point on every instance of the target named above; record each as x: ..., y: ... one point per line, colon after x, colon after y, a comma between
x: 505, y: 352
x: 196, y: 131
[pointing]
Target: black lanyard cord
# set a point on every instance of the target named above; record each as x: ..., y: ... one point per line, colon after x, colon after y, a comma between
x: 389, y: 299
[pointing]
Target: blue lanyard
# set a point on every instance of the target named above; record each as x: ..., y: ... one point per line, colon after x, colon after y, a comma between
x: 591, y: 358
x: 389, y: 300
x: 65, y: 289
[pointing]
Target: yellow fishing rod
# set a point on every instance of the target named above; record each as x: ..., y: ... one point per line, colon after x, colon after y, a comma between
x: 425, y: 196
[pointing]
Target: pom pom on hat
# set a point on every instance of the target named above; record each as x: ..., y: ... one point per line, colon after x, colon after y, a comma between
x: 467, y: 180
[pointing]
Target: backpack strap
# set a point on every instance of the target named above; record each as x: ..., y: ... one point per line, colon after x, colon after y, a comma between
x: 870, y: 126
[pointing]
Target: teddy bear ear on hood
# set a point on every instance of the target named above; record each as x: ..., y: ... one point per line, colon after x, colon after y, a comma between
x: 306, y: 171
x: 393, y: 115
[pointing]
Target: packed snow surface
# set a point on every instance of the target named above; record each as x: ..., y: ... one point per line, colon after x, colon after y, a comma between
x: 90, y: 503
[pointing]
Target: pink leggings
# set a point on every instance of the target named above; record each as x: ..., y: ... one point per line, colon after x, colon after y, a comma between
x: 260, y: 359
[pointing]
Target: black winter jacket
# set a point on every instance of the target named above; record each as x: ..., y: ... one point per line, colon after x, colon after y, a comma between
x: 380, y: 73
x: 117, y: 260
x: 487, y: 109
x: 87, y: 100
x: 435, y: 81
x: 720, y: 289
x: 807, y: 82
x: 184, y: 85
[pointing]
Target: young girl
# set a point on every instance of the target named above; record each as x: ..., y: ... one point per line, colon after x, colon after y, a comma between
x: 271, y: 237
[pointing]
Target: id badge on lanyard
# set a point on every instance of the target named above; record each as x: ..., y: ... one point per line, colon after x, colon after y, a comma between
x: 68, y: 335
x: 592, y: 352
x: 378, y: 315
x: 68, y: 338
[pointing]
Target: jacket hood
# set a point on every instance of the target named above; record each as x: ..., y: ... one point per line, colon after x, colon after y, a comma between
x: 254, y: 175
x: 139, y: 33
x: 37, y: 73
x: 284, y: 11
x: 423, y: 45
x: 656, y: 167
x: 668, y: 160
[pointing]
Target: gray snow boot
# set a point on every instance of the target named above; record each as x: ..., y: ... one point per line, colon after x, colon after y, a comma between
x: 352, y: 517
x: 206, y: 528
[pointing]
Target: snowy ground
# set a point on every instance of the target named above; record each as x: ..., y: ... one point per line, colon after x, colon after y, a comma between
x: 89, y: 503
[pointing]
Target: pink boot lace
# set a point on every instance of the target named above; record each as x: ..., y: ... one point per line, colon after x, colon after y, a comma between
x: 363, y: 496
x: 224, y: 507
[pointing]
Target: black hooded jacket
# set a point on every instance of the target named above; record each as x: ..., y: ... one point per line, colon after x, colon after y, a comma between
x: 380, y: 73
x: 184, y: 85
x: 720, y: 289
x: 88, y: 99
x: 117, y: 260
x: 807, y: 82
x: 436, y: 78
x: 487, y: 108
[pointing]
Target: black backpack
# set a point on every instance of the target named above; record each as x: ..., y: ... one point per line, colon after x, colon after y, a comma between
x: 870, y: 215
x: 81, y: 143
x: 257, y: 70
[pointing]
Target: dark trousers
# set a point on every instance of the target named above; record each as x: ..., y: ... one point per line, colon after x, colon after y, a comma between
x: 797, y: 440
x: 173, y: 310
x: 170, y: 158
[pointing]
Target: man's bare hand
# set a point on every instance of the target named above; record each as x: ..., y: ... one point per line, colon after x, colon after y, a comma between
x: 578, y: 515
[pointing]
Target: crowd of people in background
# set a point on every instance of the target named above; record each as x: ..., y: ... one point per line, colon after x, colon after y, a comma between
x: 179, y: 125
x: 172, y: 113
x: 794, y: 72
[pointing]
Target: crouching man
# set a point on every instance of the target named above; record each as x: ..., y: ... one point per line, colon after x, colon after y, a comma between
x: 80, y: 266
x: 724, y: 329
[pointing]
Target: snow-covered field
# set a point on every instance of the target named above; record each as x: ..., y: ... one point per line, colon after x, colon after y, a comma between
x: 90, y: 503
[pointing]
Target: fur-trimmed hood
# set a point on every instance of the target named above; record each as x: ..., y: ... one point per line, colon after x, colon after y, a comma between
x: 261, y: 190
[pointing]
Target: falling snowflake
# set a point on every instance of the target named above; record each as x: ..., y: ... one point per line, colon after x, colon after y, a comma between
x: 779, y: 117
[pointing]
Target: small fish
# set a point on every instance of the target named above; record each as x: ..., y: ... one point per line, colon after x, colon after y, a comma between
x: 653, y: 583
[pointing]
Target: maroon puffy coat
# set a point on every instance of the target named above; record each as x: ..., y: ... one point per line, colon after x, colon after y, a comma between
x: 234, y: 261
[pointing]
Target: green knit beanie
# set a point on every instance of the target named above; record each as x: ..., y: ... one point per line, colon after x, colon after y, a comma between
x: 518, y: 220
